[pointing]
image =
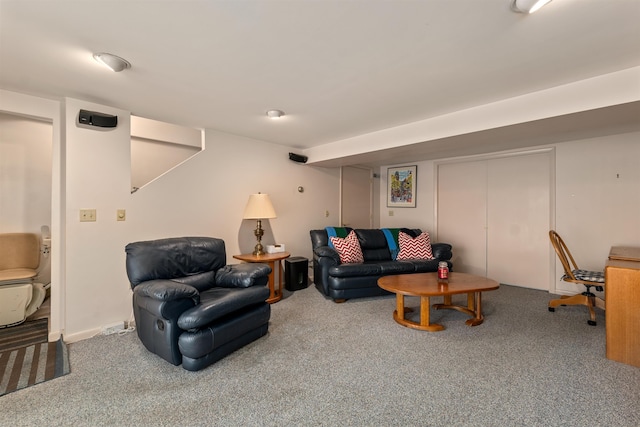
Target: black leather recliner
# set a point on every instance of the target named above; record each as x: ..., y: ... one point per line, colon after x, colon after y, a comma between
x: 189, y: 306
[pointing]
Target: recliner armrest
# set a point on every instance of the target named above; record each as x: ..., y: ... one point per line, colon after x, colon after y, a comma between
x: 167, y: 290
x: 243, y: 275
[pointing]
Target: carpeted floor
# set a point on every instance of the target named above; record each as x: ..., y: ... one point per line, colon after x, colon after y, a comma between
x: 327, y: 364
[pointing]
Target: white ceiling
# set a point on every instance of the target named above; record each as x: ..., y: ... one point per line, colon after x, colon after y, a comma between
x: 338, y: 68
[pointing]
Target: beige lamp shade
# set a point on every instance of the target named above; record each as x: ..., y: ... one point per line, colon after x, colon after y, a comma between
x: 259, y: 207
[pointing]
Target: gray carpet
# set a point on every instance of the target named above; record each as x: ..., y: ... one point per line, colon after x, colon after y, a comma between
x: 327, y: 364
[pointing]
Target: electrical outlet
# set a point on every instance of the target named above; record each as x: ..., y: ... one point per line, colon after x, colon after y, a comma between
x: 390, y: 213
x: 87, y: 215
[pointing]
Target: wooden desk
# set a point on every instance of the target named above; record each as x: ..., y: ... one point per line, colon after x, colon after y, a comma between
x: 622, y: 298
x: 275, y: 294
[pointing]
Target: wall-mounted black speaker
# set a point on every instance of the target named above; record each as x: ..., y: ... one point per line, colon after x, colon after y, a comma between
x: 298, y: 158
x: 93, y: 118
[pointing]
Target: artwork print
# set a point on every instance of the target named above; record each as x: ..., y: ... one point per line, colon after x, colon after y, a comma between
x: 401, y: 187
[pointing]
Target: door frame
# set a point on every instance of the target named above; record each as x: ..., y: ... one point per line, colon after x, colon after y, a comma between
x: 49, y: 111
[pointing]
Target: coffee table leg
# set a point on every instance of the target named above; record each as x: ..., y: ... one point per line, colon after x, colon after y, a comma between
x: 400, y: 306
x: 424, y: 324
x: 425, y: 306
x: 425, y: 321
x: 478, y: 319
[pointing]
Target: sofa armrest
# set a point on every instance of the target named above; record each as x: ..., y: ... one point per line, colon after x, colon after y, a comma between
x: 243, y: 275
x: 326, y: 251
x: 442, y: 251
x: 167, y: 290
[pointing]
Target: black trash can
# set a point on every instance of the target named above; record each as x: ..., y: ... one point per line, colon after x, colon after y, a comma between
x: 296, y: 273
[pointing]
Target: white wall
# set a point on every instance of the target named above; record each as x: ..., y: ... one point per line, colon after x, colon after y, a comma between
x: 204, y: 196
x: 597, y: 199
x: 26, y: 146
x: 156, y: 147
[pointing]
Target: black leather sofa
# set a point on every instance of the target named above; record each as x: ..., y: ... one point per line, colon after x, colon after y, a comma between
x: 344, y: 281
x: 189, y: 306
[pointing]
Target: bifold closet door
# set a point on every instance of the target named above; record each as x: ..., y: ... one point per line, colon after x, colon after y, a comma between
x: 518, y: 220
x: 462, y: 214
x: 496, y: 214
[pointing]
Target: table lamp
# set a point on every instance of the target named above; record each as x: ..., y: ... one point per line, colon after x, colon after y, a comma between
x: 259, y: 207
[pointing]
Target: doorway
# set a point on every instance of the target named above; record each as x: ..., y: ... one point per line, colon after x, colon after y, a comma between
x: 26, y: 162
x: 356, y: 197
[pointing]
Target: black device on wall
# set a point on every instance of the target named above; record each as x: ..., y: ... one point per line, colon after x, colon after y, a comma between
x: 93, y: 118
x: 296, y: 274
x: 298, y: 158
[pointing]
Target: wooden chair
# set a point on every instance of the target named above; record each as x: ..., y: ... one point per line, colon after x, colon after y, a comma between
x: 573, y: 274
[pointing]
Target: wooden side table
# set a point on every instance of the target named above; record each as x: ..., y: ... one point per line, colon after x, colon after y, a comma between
x: 275, y: 294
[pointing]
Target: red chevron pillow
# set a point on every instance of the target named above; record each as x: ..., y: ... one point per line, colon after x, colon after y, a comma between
x: 418, y: 248
x: 348, y: 248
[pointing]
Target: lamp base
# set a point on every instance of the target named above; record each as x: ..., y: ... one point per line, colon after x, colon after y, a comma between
x: 259, y: 249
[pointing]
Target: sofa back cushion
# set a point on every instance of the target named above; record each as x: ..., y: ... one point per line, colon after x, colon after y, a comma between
x: 373, y: 244
x: 190, y: 260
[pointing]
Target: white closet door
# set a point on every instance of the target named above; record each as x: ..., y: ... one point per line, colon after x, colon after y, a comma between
x: 497, y: 214
x: 462, y: 208
x: 518, y: 219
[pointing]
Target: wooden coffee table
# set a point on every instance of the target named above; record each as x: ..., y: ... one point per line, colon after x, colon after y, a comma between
x: 425, y: 286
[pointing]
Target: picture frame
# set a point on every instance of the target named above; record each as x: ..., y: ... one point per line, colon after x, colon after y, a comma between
x: 401, y: 186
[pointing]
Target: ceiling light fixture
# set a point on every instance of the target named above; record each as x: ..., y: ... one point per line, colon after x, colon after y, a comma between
x: 112, y: 62
x: 275, y: 114
x: 527, y: 6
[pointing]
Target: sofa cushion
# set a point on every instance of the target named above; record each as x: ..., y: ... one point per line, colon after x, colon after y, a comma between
x: 374, y: 245
x: 423, y: 265
x: 354, y: 270
x: 414, y: 248
x: 348, y: 248
x: 380, y: 268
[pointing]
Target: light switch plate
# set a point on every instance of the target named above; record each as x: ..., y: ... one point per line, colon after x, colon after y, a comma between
x: 87, y: 215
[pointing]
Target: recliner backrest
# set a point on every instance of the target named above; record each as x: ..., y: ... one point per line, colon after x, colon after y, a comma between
x: 190, y: 260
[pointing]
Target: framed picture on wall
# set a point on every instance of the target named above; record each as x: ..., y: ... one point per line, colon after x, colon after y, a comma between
x: 401, y: 187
